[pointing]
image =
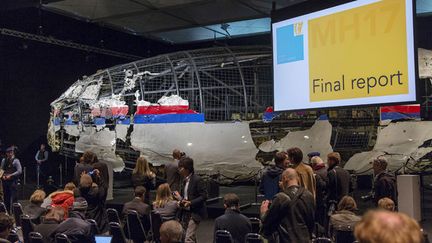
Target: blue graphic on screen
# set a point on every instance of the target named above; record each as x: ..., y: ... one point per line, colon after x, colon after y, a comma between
x: 289, y: 47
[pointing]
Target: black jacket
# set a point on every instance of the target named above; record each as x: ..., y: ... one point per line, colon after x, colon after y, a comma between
x: 269, y: 185
x: 77, y: 230
x: 34, y: 211
x: 291, y: 215
x: 95, y: 197
x: 234, y: 222
x: 137, y: 205
x: 46, y: 229
x: 338, y: 183
x: 197, y: 194
x: 385, y: 186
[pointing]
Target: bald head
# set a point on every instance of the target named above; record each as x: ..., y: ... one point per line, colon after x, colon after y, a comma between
x: 289, y: 178
x: 86, y: 181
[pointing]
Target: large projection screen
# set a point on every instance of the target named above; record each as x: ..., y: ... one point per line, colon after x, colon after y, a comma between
x: 357, y: 53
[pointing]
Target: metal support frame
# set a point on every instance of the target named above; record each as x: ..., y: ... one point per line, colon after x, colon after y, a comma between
x: 68, y: 44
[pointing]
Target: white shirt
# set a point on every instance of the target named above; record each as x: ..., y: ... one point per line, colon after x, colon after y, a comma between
x: 185, y: 191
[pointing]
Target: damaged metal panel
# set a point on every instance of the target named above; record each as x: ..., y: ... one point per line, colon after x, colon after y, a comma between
x: 315, y: 139
x: 398, y: 142
x: 102, y: 143
x: 225, y: 148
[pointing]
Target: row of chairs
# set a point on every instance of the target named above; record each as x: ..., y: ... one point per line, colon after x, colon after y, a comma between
x: 136, y: 228
x: 224, y: 236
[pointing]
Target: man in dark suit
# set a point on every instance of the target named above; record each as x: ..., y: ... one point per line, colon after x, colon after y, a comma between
x: 338, y: 180
x: 137, y: 204
x: 171, y: 171
x: 233, y: 221
x: 193, y: 201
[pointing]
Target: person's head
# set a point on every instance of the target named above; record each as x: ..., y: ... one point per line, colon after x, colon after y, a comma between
x: 381, y: 226
x: 141, y: 166
x: 295, y: 155
x: 281, y: 159
x: 140, y: 192
x: 231, y: 200
x: 347, y: 203
x: 316, y: 162
x: 6, y: 224
x: 89, y: 157
x: 70, y: 186
x: 176, y: 154
x: 171, y: 232
x: 37, y: 197
x: 42, y: 147
x: 163, y: 195
x: 333, y: 159
x: 10, y: 152
x: 185, y: 166
x: 86, y: 181
x: 379, y: 164
x: 56, y: 213
x: 289, y: 178
x: 313, y: 154
x: 386, y: 203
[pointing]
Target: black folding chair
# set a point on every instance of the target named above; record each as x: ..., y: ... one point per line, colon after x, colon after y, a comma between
x: 343, y: 236
x: 223, y: 236
x: 255, y: 222
x: 26, y: 227
x: 17, y: 212
x: 117, y: 233
x: 3, y: 208
x: 35, y: 237
x: 62, y: 238
x: 13, y: 235
x: 156, y: 222
x: 113, y: 215
x: 94, y: 226
x: 137, y: 229
x: 253, y: 238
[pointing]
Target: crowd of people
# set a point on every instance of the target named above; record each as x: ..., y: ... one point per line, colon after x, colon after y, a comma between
x: 302, y: 201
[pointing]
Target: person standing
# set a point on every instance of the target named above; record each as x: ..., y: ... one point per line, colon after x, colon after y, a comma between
x: 171, y: 171
x: 384, y: 181
x: 12, y: 170
x: 291, y: 213
x: 193, y: 199
x: 269, y: 185
x: 320, y: 171
x: 305, y: 172
x: 338, y: 181
x: 143, y: 176
x: 41, y: 158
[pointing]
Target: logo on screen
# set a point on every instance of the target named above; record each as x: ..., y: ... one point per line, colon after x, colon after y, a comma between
x: 290, y: 43
x: 298, y: 29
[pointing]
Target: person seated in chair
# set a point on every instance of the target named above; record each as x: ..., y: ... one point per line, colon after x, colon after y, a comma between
x: 6, y: 224
x: 233, y: 221
x: 52, y: 219
x: 171, y: 232
x: 165, y: 205
x: 34, y: 209
x: 137, y: 204
x: 344, y: 218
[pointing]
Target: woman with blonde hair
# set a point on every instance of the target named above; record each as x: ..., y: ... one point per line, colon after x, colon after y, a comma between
x: 34, y: 209
x: 143, y: 176
x: 387, y: 204
x: 165, y: 205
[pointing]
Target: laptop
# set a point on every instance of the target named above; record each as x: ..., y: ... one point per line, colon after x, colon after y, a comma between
x: 103, y: 238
